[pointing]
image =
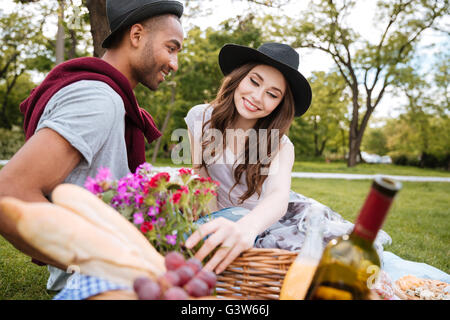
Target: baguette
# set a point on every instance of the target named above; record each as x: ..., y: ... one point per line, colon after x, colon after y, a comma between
x: 93, y: 209
x: 73, y: 241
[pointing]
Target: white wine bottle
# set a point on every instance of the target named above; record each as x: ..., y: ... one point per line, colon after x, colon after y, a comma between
x: 350, y: 264
x: 301, y: 271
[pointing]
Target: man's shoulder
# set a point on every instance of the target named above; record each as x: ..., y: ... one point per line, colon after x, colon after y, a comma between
x: 85, y: 97
x: 95, y: 88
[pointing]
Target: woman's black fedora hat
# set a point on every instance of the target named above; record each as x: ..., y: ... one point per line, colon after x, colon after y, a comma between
x: 280, y: 56
x: 122, y: 14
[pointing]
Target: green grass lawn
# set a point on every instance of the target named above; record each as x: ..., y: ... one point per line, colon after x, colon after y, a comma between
x: 418, y: 222
x: 341, y: 167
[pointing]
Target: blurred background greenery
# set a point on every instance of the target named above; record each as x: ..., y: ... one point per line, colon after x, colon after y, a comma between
x: 341, y: 123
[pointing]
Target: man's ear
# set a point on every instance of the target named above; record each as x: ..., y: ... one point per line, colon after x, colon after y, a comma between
x: 136, y: 35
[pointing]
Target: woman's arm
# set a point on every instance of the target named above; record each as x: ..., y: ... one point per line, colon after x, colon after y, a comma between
x: 235, y: 237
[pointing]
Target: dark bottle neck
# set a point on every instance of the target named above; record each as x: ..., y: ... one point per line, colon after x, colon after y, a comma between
x: 374, y: 211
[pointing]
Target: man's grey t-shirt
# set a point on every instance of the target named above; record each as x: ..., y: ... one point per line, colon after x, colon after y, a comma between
x: 90, y: 115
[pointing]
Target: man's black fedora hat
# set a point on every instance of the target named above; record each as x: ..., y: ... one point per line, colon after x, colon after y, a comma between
x: 280, y: 56
x: 122, y: 14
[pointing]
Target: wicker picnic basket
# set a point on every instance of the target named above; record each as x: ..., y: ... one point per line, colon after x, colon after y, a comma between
x: 257, y: 274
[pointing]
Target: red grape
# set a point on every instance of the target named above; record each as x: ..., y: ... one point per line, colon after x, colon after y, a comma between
x: 175, y: 293
x: 169, y: 279
x: 208, y: 276
x: 174, y: 260
x: 185, y: 273
x: 149, y: 291
x: 139, y: 282
x: 194, y: 264
x: 197, y: 288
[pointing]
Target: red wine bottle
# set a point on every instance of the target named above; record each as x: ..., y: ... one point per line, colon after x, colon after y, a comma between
x: 350, y: 264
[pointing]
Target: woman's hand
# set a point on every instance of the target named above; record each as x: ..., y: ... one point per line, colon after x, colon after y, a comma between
x: 232, y: 237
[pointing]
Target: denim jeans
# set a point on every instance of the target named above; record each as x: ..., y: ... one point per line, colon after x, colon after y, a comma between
x: 231, y: 213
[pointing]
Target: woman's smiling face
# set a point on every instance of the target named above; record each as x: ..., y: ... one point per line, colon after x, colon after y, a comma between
x: 260, y: 92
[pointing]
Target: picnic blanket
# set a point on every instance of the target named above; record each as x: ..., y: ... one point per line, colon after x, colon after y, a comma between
x: 289, y: 232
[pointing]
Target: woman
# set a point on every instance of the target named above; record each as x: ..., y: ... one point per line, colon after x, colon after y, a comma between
x: 261, y: 93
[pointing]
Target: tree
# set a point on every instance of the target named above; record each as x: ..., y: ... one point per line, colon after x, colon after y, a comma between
x: 375, y: 141
x: 99, y: 24
x: 22, y: 48
x: 367, y: 68
x: 328, y: 108
x: 426, y: 109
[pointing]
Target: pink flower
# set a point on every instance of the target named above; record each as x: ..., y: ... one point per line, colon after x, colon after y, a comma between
x: 153, y: 211
x: 139, y: 199
x: 145, y: 166
x: 161, y: 222
x: 171, y: 239
x: 183, y: 189
x: 92, y: 186
x: 138, y: 218
x: 184, y: 171
x: 103, y: 174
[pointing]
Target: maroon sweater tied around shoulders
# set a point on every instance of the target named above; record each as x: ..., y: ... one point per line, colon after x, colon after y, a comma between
x: 138, y: 122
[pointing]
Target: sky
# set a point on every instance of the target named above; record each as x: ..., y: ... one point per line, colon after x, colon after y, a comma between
x: 361, y: 18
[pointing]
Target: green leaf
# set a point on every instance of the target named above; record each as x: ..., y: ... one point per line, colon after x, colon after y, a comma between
x: 108, y: 195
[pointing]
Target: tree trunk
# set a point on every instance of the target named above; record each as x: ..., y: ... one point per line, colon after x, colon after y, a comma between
x: 322, y: 147
x: 73, y: 45
x: 60, y: 34
x: 316, y: 138
x: 353, y: 145
x: 99, y: 24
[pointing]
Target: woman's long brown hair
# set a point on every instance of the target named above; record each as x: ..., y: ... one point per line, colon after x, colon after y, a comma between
x: 224, y: 114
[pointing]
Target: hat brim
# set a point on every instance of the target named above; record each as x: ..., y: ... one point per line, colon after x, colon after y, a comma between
x: 145, y: 12
x: 232, y: 56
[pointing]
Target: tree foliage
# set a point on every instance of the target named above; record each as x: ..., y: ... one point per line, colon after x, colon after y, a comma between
x: 23, y: 48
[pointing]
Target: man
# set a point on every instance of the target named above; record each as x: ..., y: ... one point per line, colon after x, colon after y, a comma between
x: 85, y: 116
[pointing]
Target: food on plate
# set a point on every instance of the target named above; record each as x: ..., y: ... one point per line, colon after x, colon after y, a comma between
x: 413, y: 288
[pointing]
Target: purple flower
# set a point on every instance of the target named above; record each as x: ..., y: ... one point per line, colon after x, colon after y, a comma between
x: 145, y: 166
x: 161, y: 222
x: 92, y: 186
x: 171, y: 239
x: 138, y: 218
x: 153, y: 211
x: 122, y: 187
x: 139, y: 199
x: 103, y: 174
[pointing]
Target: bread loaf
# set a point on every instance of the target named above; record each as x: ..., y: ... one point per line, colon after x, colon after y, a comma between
x: 73, y: 240
x: 93, y: 209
